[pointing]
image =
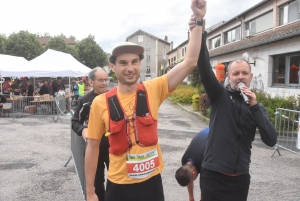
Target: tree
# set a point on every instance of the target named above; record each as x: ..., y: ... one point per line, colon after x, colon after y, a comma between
x: 90, y: 53
x: 46, y: 34
x: 23, y: 44
x: 57, y: 43
x: 72, y: 38
x: 3, y: 42
x: 73, y: 51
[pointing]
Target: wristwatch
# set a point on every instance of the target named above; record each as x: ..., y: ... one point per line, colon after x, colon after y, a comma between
x: 199, y: 22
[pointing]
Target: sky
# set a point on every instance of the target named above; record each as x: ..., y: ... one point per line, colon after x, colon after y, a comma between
x: 111, y: 21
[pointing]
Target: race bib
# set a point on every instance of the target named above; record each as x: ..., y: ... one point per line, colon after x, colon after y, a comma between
x: 142, y: 165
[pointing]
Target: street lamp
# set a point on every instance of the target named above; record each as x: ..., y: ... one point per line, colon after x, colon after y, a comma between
x: 246, y: 56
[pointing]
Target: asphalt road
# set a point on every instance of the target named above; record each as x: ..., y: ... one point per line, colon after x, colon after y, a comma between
x: 34, y: 152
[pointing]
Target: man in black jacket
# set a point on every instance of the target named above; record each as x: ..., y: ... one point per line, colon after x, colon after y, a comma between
x: 45, y: 88
x: 225, y: 167
x: 99, y: 81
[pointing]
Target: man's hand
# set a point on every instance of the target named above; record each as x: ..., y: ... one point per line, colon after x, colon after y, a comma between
x: 191, y: 199
x: 250, y: 94
x: 93, y: 197
x: 192, y: 22
x: 84, y: 132
x: 199, y: 8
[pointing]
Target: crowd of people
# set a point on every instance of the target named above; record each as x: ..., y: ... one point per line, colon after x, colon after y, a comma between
x: 25, y: 87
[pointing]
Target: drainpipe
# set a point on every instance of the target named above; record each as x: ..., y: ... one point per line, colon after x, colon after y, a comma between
x: 242, y: 31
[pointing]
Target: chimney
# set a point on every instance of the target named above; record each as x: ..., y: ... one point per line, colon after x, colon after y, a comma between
x: 188, y: 34
x: 166, y: 38
x: 171, y: 46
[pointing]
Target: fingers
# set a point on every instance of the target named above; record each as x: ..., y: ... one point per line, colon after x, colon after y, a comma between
x: 192, y: 23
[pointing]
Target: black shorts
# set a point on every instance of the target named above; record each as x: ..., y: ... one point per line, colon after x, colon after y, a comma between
x: 149, y: 190
x: 216, y: 186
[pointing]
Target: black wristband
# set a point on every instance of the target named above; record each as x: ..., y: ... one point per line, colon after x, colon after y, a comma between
x: 199, y: 23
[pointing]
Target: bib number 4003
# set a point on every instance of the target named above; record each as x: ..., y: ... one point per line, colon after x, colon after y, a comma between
x: 140, y: 167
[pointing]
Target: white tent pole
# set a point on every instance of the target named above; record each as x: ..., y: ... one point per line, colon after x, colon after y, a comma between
x: 1, y: 83
x: 70, y: 99
x: 33, y: 86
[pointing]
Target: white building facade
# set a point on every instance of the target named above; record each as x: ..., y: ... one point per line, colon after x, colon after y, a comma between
x: 268, y: 34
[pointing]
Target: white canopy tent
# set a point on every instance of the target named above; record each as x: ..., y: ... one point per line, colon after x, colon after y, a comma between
x: 7, y: 62
x: 50, y: 64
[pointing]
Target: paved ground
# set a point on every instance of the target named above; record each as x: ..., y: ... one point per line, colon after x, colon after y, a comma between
x: 34, y: 151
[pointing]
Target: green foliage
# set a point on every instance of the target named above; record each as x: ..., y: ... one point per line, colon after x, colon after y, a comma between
x: 57, y: 43
x: 203, y: 104
x: 111, y: 73
x: 23, y: 44
x: 195, y: 80
x: 3, y: 42
x: 90, y: 53
x: 73, y: 51
x: 195, y: 102
x: 113, y: 78
x: 73, y: 38
x: 207, y: 113
x: 272, y: 103
x: 183, y: 94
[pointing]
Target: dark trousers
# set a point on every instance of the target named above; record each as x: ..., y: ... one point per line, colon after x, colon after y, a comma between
x: 100, y: 173
x: 216, y: 186
x: 149, y: 190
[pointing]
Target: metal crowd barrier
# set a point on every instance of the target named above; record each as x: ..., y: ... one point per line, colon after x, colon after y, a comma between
x: 78, y: 146
x: 288, y: 128
x: 30, y: 105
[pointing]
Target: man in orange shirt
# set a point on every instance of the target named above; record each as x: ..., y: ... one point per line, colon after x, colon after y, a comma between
x: 135, y: 156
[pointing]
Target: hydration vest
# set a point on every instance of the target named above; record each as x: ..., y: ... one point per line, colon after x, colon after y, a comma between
x: 145, y: 127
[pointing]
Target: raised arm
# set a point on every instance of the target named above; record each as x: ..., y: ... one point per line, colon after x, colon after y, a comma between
x: 183, y: 69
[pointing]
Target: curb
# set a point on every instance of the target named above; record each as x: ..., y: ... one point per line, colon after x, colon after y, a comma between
x: 203, y: 118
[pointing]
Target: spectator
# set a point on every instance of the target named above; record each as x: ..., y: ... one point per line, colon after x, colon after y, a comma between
x: 45, y: 88
x: 98, y: 79
x: 74, y: 89
x: 81, y: 86
x: 23, y: 87
x: 15, y: 87
x: 6, y: 87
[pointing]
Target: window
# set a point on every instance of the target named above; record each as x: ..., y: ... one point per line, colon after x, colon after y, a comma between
x: 260, y: 24
x: 174, y: 59
x: 233, y: 35
x: 164, y: 54
x: 182, y: 52
x: 148, y: 69
x: 140, y: 38
x: 286, y: 70
x: 148, y: 57
x: 148, y: 46
x: 290, y: 12
x: 215, y: 42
